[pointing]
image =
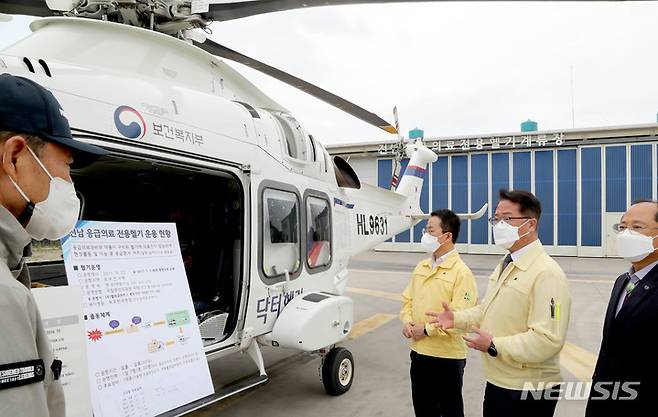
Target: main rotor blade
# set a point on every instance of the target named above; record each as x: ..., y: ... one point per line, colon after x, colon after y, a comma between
x: 222, y: 10
x: 26, y: 7
x: 317, y: 92
x: 238, y: 9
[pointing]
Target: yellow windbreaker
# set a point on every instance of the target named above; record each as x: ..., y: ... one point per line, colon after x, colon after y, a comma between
x: 451, y: 281
x: 526, y: 309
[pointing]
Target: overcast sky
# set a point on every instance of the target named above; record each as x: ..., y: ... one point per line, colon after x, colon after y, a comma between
x: 454, y: 68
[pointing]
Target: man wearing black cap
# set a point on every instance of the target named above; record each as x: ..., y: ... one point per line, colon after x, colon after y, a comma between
x: 37, y: 201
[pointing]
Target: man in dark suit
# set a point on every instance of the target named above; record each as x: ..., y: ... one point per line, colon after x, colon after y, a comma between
x: 625, y: 381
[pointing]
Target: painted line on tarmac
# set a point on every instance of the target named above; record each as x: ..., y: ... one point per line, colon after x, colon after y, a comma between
x: 379, y: 271
x: 574, y: 280
x: 224, y: 404
x: 375, y: 293
x: 591, y: 281
x: 368, y: 325
x: 578, y: 361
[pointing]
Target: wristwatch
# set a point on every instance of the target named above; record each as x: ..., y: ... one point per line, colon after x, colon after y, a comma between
x: 492, y: 350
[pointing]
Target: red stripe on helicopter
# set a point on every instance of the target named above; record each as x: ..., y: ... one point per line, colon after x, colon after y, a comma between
x: 415, y: 171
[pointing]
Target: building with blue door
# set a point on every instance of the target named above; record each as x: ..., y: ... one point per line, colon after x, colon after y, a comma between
x: 585, y: 179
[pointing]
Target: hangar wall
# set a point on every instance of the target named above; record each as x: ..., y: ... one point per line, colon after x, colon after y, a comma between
x: 585, y: 180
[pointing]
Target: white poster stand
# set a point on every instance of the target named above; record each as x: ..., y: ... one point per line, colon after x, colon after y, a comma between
x: 145, y: 351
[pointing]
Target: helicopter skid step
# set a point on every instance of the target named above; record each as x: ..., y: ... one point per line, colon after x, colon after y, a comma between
x: 222, y: 394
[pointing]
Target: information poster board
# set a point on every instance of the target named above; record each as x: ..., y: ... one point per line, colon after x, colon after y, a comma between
x: 61, y: 313
x: 145, y: 351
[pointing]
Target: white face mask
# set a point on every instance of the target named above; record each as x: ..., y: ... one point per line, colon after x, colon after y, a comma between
x: 634, y: 246
x: 506, y: 235
x: 430, y: 243
x: 56, y: 216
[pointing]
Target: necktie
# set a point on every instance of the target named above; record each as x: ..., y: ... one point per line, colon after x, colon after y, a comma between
x: 627, y: 291
x: 630, y: 287
x: 506, y: 261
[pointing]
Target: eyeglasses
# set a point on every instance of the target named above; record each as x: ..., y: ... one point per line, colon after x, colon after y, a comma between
x: 619, y: 228
x: 494, y: 221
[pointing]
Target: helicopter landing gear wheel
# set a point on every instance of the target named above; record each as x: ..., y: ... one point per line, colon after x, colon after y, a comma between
x: 338, y: 371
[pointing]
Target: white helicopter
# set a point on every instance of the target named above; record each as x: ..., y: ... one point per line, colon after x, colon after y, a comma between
x: 266, y: 218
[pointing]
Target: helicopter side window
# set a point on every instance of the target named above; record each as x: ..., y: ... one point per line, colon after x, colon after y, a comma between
x: 318, y: 242
x: 281, y: 235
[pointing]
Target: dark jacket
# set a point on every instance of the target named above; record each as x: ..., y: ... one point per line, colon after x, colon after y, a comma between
x: 629, y: 353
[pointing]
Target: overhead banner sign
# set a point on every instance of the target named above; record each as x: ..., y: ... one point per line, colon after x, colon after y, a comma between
x: 62, y: 317
x: 143, y: 340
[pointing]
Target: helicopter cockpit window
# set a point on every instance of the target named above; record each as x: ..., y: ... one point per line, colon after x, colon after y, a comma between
x: 297, y: 143
x: 318, y: 242
x: 281, y: 235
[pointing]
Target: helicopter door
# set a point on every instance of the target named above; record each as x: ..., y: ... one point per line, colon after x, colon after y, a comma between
x: 210, y: 227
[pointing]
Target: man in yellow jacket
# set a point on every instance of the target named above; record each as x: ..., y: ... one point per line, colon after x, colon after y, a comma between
x: 522, y: 323
x: 437, y: 357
